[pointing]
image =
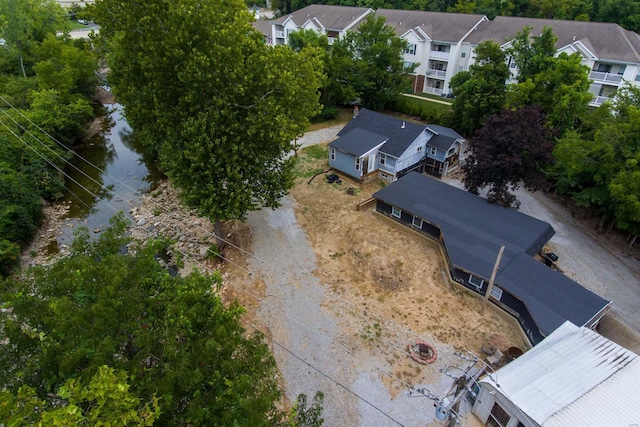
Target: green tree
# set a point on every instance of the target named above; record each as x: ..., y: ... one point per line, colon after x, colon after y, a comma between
x: 379, y: 73
x: 558, y: 84
x: 217, y: 106
x: 24, y: 23
x: 480, y: 92
x: 105, y: 400
x: 171, y: 335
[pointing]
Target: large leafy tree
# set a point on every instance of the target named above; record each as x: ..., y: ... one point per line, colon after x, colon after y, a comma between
x: 557, y: 84
x: 217, y: 106
x: 25, y: 23
x: 598, y: 166
x: 480, y: 92
x: 172, y: 336
x: 513, y: 148
x: 378, y: 72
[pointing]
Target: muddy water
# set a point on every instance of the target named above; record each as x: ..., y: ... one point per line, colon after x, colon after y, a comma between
x: 107, y: 175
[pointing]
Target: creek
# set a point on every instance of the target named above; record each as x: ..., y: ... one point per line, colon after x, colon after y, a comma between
x: 107, y: 175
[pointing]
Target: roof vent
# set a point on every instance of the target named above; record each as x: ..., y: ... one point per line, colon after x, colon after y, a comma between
x: 574, y: 38
x: 402, y: 127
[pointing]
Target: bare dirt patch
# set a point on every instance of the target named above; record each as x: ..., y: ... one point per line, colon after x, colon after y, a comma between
x: 388, y: 269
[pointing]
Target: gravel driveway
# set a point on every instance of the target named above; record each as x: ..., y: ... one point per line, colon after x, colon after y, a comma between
x: 312, y: 351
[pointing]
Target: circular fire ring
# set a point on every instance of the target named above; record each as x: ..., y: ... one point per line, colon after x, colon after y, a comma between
x: 422, y: 352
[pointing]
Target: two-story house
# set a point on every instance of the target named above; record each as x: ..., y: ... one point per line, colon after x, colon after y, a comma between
x: 376, y: 145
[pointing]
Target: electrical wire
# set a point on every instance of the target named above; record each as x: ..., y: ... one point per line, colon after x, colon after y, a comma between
x: 237, y: 265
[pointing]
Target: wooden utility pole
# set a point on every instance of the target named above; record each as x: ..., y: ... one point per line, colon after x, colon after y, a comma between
x: 493, y: 276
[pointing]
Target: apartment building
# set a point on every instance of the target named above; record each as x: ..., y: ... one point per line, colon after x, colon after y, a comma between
x: 444, y: 43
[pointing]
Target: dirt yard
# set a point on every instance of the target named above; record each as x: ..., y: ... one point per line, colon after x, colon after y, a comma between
x: 389, y: 269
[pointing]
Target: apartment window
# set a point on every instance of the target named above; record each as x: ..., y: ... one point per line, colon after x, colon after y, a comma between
x: 622, y: 69
x: 408, y: 64
x: 357, y: 163
x: 333, y: 153
x: 433, y: 151
x: 638, y: 77
x: 496, y: 293
x: 464, y: 53
x: 383, y: 159
x: 411, y: 50
x: 417, y: 222
x: 396, y: 212
x: 604, y: 68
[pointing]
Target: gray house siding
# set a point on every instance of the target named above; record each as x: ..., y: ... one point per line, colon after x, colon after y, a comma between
x: 439, y: 154
x: 407, y: 219
x: 344, y: 162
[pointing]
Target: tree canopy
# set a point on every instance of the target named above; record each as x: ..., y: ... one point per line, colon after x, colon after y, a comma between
x: 480, y: 92
x: 370, y: 62
x: 512, y: 148
x: 216, y: 105
x: 170, y: 335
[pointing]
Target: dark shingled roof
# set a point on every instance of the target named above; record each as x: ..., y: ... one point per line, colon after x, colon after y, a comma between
x: 400, y: 138
x: 263, y: 25
x: 331, y: 17
x: 441, y: 130
x: 550, y: 297
x: 358, y: 141
x: 604, y: 39
x: 473, y: 231
x: 441, y: 142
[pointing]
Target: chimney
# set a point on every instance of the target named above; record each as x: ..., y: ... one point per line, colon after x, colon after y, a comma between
x: 355, y: 111
x: 402, y: 127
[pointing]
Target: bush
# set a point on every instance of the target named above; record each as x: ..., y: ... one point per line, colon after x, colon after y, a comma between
x: 431, y: 112
x: 327, y: 113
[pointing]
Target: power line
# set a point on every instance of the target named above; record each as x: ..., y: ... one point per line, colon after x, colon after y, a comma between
x: 230, y: 261
x: 253, y: 326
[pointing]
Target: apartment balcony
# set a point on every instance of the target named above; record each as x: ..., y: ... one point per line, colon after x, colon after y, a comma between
x: 433, y: 90
x: 438, y: 74
x: 605, y: 77
x: 436, y: 54
x: 280, y: 34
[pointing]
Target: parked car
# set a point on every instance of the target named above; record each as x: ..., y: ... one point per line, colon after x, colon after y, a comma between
x: 83, y: 22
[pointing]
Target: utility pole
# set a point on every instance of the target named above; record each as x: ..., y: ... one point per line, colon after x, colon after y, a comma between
x: 493, y: 276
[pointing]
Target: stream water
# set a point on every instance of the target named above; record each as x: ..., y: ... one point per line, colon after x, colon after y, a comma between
x: 106, y: 175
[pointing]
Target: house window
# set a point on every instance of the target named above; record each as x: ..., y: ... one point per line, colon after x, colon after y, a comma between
x: 383, y: 158
x: 333, y: 154
x: 451, y: 151
x: 433, y: 151
x: 357, y: 163
x: 408, y: 64
x: 638, y: 77
x: 464, y: 53
x: 476, y: 281
x: 396, y: 212
x: 496, y: 293
x: 622, y: 69
x: 417, y: 222
x: 419, y: 149
x: 499, y: 417
x: 604, y: 68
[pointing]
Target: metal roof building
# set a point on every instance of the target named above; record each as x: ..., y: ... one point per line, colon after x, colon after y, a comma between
x: 575, y: 377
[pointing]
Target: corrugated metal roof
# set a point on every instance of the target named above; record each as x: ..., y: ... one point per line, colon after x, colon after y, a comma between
x: 575, y: 377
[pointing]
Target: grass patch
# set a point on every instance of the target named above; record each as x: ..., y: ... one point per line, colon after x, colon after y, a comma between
x: 312, y: 160
x: 430, y: 112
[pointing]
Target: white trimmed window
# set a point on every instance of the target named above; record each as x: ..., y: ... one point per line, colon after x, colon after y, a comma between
x: 419, y: 148
x: 475, y: 281
x: 357, y: 163
x: 383, y: 158
x: 411, y: 50
x: 496, y: 293
x: 396, y: 212
x: 433, y: 151
x: 333, y: 153
x: 417, y: 222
